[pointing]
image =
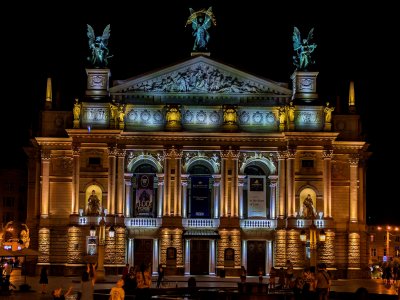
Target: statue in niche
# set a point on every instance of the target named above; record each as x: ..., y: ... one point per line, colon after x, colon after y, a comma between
x: 77, y: 109
x: 201, y: 21
x: 328, y: 113
x: 282, y: 115
x: 98, y: 47
x: 303, y: 49
x: 94, y: 204
x: 308, y: 207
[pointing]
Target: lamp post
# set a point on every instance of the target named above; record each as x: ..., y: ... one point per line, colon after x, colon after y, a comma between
x: 100, y: 273
x: 313, y: 241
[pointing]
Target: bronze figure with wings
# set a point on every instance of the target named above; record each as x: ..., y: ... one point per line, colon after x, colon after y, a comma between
x: 201, y: 21
x: 98, y: 47
x: 303, y: 49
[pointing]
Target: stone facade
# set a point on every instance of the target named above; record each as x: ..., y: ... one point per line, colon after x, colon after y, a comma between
x: 200, y: 160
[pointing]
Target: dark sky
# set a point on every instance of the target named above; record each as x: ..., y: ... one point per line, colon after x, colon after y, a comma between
x: 355, y: 42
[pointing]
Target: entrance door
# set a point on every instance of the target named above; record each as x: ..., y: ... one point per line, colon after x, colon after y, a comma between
x: 199, y: 257
x: 255, y: 257
x: 143, y: 252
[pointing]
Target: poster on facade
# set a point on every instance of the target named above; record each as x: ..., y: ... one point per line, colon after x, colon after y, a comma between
x: 200, y: 197
x: 144, y: 196
x: 256, y: 196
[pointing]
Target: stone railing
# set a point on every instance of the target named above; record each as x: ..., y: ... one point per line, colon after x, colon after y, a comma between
x: 200, y: 223
x: 249, y: 223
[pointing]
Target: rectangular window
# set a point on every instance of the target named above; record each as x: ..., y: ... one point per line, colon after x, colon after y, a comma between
x: 307, y: 163
x: 373, y: 252
x: 94, y: 161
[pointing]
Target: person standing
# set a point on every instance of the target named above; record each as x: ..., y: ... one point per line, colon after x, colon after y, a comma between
x: 160, y: 275
x: 143, y: 280
x: 322, y: 282
x: 117, y: 292
x: 44, y: 280
x: 87, y: 284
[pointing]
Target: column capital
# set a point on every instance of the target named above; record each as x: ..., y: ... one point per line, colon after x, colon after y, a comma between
x: 273, y: 178
x: 45, y: 154
x: 354, y: 159
x: 121, y: 152
x: 327, y: 154
x: 112, y: 149
x: 291, y: 153
x: 76, y: 149
x: 281, y: 154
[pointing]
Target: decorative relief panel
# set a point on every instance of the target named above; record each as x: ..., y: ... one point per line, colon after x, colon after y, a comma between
x: 145, y: 118
x: 265, y: 158
x: 257, y: 119
x: 44, y: 245
x: 354, y: 250
x: 326, y: 250
x: 295, y: 250
x: 75, y: 246
x: 204, y: 118
x: 280, y: 248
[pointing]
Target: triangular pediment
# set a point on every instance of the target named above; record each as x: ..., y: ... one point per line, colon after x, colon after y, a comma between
x: 200, y: 76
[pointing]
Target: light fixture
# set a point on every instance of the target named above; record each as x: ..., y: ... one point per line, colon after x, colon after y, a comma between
x: 92, y: 231
x: 303, y: 236
x: 111, y: 232
x: 322, y: 236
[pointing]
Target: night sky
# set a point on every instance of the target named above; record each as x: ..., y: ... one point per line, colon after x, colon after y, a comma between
x: 355, y: 42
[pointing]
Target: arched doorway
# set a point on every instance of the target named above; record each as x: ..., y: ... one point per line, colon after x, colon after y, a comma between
x: 199, y: 192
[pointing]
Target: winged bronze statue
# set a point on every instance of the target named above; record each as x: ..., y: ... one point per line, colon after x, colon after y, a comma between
x: 303, y: 49
x: 98, y: 47
x: 201, y: 21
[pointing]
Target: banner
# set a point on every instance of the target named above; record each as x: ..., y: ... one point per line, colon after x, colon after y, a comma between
x: 256, y: 194
x: 144, y: 196
x: 200, y: 197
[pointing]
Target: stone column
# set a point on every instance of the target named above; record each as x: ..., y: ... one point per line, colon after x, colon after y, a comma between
x: 269, y: 261
x: 272, y: 197
x: 327, y: 157
x: 212, y: 265
x: 112, y: 152
x: 244, y: 253
x: 155, y: 256
x: 128, y: 196
x: 75, y: 177
x: 184, y: 179
x: 229, y: 188
x: 217, y: 183
x: 187, y: 257
x: 173, y: 188
x: 131, y: 252
x: 291, y: 204
x: 44, y: 207
x: 353, y: 161
x: 282, y: 183
x: 120, y: 182
x: 160, y: 193
x: 241, y: 179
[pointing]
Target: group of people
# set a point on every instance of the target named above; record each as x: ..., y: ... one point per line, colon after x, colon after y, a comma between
x: 135, y: 280
x: 309, y: 282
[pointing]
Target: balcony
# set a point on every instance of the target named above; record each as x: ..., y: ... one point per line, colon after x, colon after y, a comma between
x: 250, y: 223
x: 200, y: 223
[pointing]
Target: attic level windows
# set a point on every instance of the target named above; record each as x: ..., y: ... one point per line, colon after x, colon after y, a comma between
x: 307, y: 163
x: 94, y: 161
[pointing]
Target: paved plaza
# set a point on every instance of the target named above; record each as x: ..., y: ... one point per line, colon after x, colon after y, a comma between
x: 374, y: 286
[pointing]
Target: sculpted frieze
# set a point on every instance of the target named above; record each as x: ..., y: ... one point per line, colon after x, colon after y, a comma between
x: 199, y: 78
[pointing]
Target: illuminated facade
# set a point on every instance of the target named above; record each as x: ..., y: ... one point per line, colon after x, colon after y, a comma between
x: 200, y: 167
